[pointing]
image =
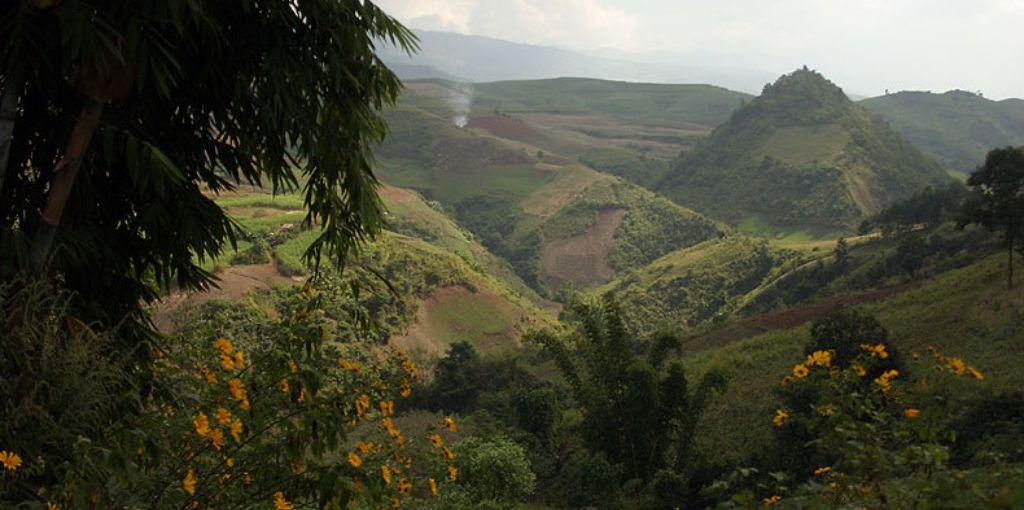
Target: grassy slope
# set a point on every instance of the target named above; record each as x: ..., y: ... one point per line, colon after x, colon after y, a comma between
x: 631, y: 130
x: 800, y: 155
x: 426, y: 255
x: 956, y: 128
x: 517, y: 201
x: 687, y: 287
x: 965, y: 312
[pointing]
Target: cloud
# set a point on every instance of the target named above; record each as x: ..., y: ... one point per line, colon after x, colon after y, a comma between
x: 571, y: 23
x: 864, y: 45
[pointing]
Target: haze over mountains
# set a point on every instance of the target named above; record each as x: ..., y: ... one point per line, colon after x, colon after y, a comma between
x: 483, y: 59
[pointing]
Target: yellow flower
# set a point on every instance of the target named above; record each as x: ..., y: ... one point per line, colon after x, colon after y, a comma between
x: 781, y: 416
x: 453, y: 473
x: 975, y: 373
x: 822, y: 470
x: 364, y: 447
x: 10, y: 460
x: 800, y: 371
x: 877, y: 350
x: 354, y: 460
x: 227, y: 362
x: 280, y: 503
x: 450, y: 423
x: 404, y: 486
x: 436, y: 440
x: 860, y: 370
x: 189, y: 483
x: 448, y: 455
x: 885, y: 380
x: 385, y: 473
x: 52, y: 506
x: 406, y: 388
x: 237, y: 390
x: 217, y: 437
x: 390, y: 427
x: 236, y: 430
x: 292, y: 366
x: 433, y: 486
x: 223, y: 345
x: 239, y: 359
x: 820, y: 358
x: 772, y: 501
x: 284, y: 386
x: 387, y: 408
x: 223, y: 416
x: 362, y: 404
x: 202, y: 424
x: 911, y: 413
x: 957, y: 365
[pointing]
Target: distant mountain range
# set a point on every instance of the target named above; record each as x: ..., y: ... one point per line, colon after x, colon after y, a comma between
x: 956, y: 128
x: 483, y: 59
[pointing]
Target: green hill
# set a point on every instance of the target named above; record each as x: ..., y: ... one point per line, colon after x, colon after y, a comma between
x: 965, y: 312
x: 557, y: 221
x: 442, y: 285
x: 955, y: 128
x: 672, y: 105
x: 800, y: 154
x: 631, y: 130
x: 688, y: 287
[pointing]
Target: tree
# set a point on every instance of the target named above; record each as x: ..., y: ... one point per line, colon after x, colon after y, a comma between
x: 637, y: 414
x: 842, y: 255
x: 998, y: 204
x: 130, y: 114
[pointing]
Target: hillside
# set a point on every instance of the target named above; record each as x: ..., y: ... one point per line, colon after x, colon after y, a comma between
x: 442, y: 286
x: 956, y: 128
x: 557, y: 221
x: 800, y: 154
x: 965, y: 312
x: 631, y: 130
x: 688, y: 287
x: 648, y: 103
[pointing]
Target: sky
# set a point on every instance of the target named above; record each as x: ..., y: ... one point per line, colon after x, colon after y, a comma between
x: 865, y: 46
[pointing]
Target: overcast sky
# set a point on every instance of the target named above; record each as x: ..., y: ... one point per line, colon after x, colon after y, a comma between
x: 865, y: 46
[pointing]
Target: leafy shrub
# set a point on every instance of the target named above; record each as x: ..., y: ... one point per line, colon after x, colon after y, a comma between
x: 494, y: 470
x: 242, y: 407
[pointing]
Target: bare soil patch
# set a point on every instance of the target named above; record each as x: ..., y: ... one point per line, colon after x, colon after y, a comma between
x: 788, y: 319
x: 456, y: 313
x: 583, y: 259
x: 234, y: 282
x: 505, y: 127
x: 397, y: 195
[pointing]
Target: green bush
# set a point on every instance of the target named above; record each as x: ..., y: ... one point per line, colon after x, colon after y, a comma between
x: 494, y: 470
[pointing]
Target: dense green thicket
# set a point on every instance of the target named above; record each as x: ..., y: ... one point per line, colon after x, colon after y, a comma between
x: 636, y: 168
x: 124, y: 112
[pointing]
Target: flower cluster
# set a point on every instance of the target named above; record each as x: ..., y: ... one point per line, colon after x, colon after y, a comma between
x: 955, y: 365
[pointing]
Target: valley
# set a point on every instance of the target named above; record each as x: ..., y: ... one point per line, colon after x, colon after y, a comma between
x: 301, y: 256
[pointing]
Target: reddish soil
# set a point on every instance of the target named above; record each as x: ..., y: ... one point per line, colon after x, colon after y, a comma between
x: 582, y: 259
x: 503, y: 127
x: 234, y: 282
x: 397, y: 195
x: 788, y: 319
